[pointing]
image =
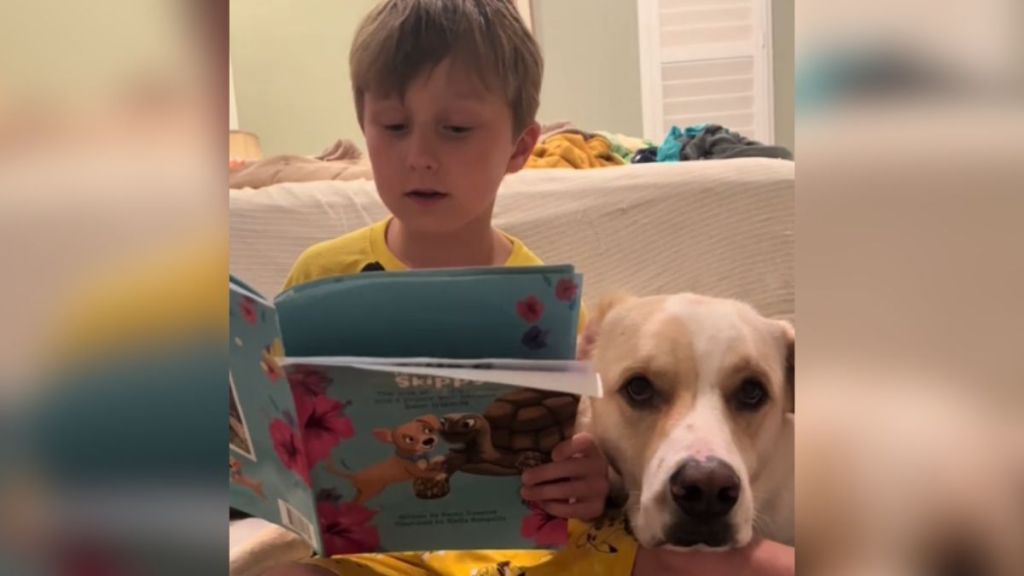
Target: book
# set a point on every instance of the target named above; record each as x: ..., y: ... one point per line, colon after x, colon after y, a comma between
x: 395, y: 411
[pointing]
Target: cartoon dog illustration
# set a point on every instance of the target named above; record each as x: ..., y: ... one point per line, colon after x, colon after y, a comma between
x: 413, y: 442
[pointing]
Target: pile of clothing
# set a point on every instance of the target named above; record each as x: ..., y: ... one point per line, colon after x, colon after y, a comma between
x: 563, y: 145
x: 708, y: 142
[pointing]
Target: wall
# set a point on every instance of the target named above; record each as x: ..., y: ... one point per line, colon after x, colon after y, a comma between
x: 782, y: 55
x: 592, y: 63
x: 291, y: 68
x: 605, y: 67
x: 290, y: 61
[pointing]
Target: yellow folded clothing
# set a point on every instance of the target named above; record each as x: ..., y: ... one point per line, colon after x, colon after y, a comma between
x: 574, y: 150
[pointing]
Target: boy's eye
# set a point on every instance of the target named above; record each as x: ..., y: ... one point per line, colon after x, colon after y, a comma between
x: 458, y: 130
x: 396, y: 127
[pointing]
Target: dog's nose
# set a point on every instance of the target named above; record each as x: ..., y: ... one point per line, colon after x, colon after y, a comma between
x: 705, y: 489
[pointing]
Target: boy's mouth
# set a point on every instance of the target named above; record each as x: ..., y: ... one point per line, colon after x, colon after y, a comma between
x: 425, y: 196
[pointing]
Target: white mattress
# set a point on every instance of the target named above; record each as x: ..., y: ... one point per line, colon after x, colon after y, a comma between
x: 722, y: 227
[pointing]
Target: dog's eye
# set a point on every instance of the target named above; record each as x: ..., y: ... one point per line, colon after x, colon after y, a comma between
x: 467, y: 424
x: 751, y: 394
x: 639, y: 391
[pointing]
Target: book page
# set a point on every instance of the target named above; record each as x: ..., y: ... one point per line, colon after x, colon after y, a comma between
x: 570, y: 376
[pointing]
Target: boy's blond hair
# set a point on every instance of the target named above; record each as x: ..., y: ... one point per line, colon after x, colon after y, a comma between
x: 401, y: 39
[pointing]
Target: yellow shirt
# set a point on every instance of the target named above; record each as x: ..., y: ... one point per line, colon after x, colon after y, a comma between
x: 604, y: 548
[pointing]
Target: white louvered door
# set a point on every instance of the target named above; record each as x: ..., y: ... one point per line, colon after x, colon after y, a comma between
x: 706, y: 61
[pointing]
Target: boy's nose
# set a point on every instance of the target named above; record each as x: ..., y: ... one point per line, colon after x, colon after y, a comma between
x: 422, y: 154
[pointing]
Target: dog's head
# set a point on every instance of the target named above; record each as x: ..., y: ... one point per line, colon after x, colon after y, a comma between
x: 417, y: 436
x: 696, y: 395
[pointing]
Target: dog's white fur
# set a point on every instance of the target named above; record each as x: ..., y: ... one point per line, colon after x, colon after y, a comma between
x: 695, y: 350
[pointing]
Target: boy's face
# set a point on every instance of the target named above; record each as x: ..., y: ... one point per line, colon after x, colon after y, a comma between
x: 440, y: 153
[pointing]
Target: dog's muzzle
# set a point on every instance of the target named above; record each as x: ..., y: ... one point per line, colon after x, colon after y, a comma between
x: 705, y: 492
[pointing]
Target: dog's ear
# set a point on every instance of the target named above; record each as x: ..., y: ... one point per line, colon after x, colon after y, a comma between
x: 586, y: 343
x: 384, y: 435
x: 430, y: 420
x: 789, y: 365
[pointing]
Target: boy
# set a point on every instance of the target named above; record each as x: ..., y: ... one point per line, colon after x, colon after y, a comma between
x: 446, y: 92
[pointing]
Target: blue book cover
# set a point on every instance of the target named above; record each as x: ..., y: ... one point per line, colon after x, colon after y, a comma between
x: 526, y: 312
x: 395, y: 411
x: 264, y: 432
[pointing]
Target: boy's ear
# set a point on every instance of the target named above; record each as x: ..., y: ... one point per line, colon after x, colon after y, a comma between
x: 384, y: 435
x: 524, y: 147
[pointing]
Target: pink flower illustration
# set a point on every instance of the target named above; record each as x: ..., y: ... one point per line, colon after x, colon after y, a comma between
x: 306, y: 381
x: 543, y: 528
x: 324, y: 425
x: 248, y: 308
x: 530, y: 309
x: 289, y: 449
x: 347, y: 527
x: 566, y: 289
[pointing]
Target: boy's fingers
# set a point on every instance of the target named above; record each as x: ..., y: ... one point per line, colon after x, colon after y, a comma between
x: 565, y: 470
x: 550, y: 472
x: 579, y: 490
x: 581, y: 444
x: 579, y: 511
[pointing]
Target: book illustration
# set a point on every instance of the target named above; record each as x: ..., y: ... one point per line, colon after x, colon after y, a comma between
x: 516, y: 431
x: 531, y: 310
x: 318, y: 426
x: 413, y: 441
x: 247, y: 306
x: 269, y: 360
x: 238, y: 431
x: 323, y: 420
x: 238, y: 477
x: 288, y: 446
x: 346, y: 527
x: 293, y: 519
x: 543, y: 528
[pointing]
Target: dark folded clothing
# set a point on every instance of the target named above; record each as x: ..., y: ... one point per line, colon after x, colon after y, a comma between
x: 645, y: 155
x: 718, y: 142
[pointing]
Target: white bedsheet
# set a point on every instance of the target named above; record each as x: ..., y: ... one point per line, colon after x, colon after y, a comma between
x: 722, y: 227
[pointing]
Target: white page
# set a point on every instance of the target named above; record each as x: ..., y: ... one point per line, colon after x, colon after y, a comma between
x: 573, y: 377
x: 423, y: 361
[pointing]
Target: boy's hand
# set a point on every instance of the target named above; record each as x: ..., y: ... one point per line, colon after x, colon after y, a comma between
x: 575, y: 484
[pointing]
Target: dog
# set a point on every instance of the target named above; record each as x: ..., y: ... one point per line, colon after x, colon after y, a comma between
x: 696, y: 418
x: 413, y: 442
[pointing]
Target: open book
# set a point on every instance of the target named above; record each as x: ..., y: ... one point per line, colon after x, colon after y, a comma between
x: 406, y: 406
